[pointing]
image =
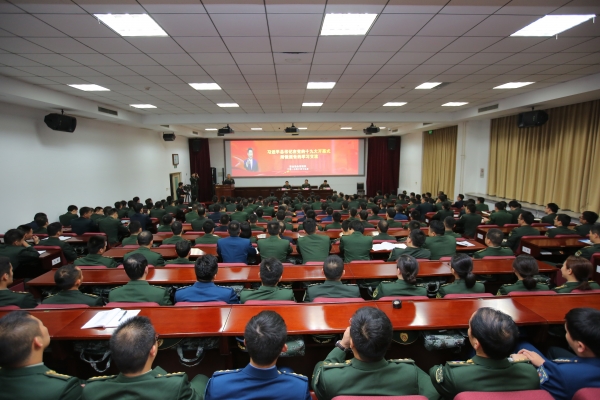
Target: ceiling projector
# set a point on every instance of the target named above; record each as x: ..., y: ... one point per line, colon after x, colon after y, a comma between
x: 291, y: 129
x: 371, y: 130
x: 225, y: 130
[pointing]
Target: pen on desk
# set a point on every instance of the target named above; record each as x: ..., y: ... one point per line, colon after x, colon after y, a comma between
x: 124, y: 313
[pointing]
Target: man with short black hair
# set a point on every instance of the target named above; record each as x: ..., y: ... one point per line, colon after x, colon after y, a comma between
x: 98, y: 214
x: 84, y: 223
x: 142, y: 218
x: 333, y: 269
x: 145, y: 240
x: 561, y: 226
x: 192, y: 215
x: 414, y: 216
x: 368, y: 373
x: 204, y: 289
x: 223, y: 224
x: 9, y: 297
x: 391, y: 218
x: 382, y: 228
x: 459, y: 201
x: 253, y: 219
x: 313, y: 247
x: 551, y: 210
x: 234, y: 249
x: 138, y: 290
x: 493, y: 336
x: 449, y: 227
x: 481, y: 206
x: 54, y: 232
x: 270, y: 273
x: 414, y: 247
x: 375, y: 216
x: 424, y: 208
x: 363, y: 218
x: 209, y: 237
x: 68, y: 279
x: 324, y: 185
x: 40, y: 223
x: 183, y: 249
x: 177, y: 229
x: 525, y: 219
x: 337, y: 219
x: 588, y: 251
x: 469, y: 221
x: 587, y: 219
x: 66, y: 218
x: 135, y: 228
x: 112, y: 227
x: 198, y: 222
x: 493, y: 241
x: 273, y: 245
x: 239, y: 215
x: 23, y: 257
x: 515, y: 210
x: 96, y: 247
x: 438, y: 243
x: 134, y: 346
x: 500, y: 216
x: 265, y: 339
x: 23, y: 375
x: 356, y: 246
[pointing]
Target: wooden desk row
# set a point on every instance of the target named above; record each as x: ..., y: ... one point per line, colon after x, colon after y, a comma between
x: 320, y: 318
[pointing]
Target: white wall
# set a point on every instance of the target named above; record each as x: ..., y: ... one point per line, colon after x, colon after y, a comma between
x: 98, y: 164
x: 472, y: 155
x: 411, y: 162
x: 345, y: 184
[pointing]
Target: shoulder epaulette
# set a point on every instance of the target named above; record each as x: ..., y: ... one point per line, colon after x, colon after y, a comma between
x: 564, y: 360
x: 91, y: 295
x: 100, y: 378
x: 508, y: 284
x: 401, y: 360
x: 170, y: 375
x: 479, y: 251
x: 225, y: 371
x: 460, y: 363
x: 315, y: 284
x: 337, y: 365
x: 116, y: 287
x: 299, y: 376
x: 184, y: 287
x: 446, y: 284
x: 560, y: 287
x: 55, y: 374
x: 248, y: 290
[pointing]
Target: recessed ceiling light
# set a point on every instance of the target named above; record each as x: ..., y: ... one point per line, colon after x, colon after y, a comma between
x: 347, y: 24
x: 382, y: 127
x: 551, y: 25
x: 210, y: 129
x: 303, y: 128
x: 312, y: 104
x: 228, y: 105
x: 256, y: 129
x: 346, y: 127
x: 455, y: 104
x: 205, y: 86
x: 90, y: 88
x: 394, y: 104
x: 428, y: 85
x: 132, y: 24
x: 513, y: 85
x: 320, y: 85
x: 142, y: 105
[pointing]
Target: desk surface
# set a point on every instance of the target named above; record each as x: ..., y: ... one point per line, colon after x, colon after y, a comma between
x: 546, y: 242
x: 555, y: 308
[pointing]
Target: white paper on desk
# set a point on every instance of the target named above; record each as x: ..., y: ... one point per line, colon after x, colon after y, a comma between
x: 196, y: 252
x: 465, y: 243
x: 586, y: 241
x: 41, y: 251
x: 545, y: 253
x: 388, y: 246
x: 550, y: 227
x: 110, y: 319
x: 64, y: 237
x: 261, y: 236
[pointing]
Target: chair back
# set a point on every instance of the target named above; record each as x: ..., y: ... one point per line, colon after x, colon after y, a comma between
x: 314, y: 263
x: 511, y: 225
x: 392, y: 298
x: 63, y: 259
x: 587, y: 394
x: 498, y: 257
x: 268, y: 302
x: 115, y: 304
x: 445, y: 258
x: 338, y: 300
x: 199, y: 233
x: 567, y: 236
x: 412, y: 397
x: 516, y: 395
x: 61, y: 306
x: 9, y: 308
x: 200, y: 246
x: 533, y: 293
x: 586, y: 291
x: 89, y: 234
x: 166, y: 246
x: 235, y: 264
x: 131, y: 246
x: 92, y: 267
x: 464, y: 295
x: 190, y: 265
x: 200, y: 304
x: 367, y: 262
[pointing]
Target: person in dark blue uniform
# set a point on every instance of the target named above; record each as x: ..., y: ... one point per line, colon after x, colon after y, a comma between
x: 205, y: 289
x: 264, y: 337
x: 563, y: 373
x: 234, y: 248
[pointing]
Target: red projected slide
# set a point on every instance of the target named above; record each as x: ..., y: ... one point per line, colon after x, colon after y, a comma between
x: 273, y: 158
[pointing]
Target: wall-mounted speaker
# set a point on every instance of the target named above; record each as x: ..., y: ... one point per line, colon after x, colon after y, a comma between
x: 532, y: 118
x: 196, y: 144
x: 168, y: 137
x: 392, y: 143
x: 213, y: 173
x: 60, y: 122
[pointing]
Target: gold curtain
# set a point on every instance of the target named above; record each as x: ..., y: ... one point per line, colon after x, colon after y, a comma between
x: 439, y: 160
x: 553, y: 163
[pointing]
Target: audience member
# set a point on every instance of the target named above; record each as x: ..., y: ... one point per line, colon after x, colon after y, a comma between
x: 138, y: 290
x: 68, y: 279
x: 204, y: 289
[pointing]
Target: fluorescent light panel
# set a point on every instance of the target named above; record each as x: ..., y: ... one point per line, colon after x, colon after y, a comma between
x: 551, y: 25
x: 320, y: 85
x: 346, y: 127
x: 132, y: 24
x: 205, y: 86
x: 142, y: 106
x: 347, y: 24
x: 513, y: 85
x: 455, y: 104
x: 256, y: 129
x: 225, y: 105
x: 428, y: 85
x: 312, y: 104
x: 211, y: 129
x: 90, y: 88
x: 394, y: 104
x: 303, y: 128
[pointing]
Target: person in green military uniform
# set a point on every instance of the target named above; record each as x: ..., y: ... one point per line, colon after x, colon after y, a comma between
x: 112, y: 227
x: 305, y: 185
x: 576, y: 271
x: 333, y: 269
x: 239, y: 214
x: 260, y: 211
x: 414, y: 247
x: 587, y: 219
x: 375, y: 216
x: 438, y: 243
x: 23, y: 257
x: 461, y: 268
x: 449, y: 227
x: 121, y: 207
x: 158, y: 211
x: 382, y: 228
x: 41, y: 221
x: 274, y: 246
x: 135, y: 228
x: 500, y: 216
x: 145, y: 240
x: 96, y: 247
x: 9, y: 297
x: 138, y: 290
x: 134, y: 346
x: 561, y: 226
x: 253, y: 219
x: 588, y: 251
x: 313, y: 247
x: 286, y: 185
x: 493, y: 336
x: 337, y: 221
x: 391, y: 214
x: 415, y: 215
x: 192, y: 215
x: 481, y: 206
x: 356, y: 246
x: 444, y: 212
x: 165, y: 225
x: 177, y: 229
x: 229, y: 180
x: 551, y: 210
x: 368, y: 373
x: 198, y: 222
x: 525, y: 219
x: 183, y: 249
x: 469, y: 221
x: 493, y: 241
x: 209, y: 237
x: 23, y: 375
x: 324, y: 185
x: 71, y: 214
x: 98, y: 214
x: 68, y: 279
x: 270, y: 273
x: 280, y: 216
x: 515, y: 210
x: 525, y: 268
x: 54, y: 232
x: 407, y: 271
x: 364, y: 219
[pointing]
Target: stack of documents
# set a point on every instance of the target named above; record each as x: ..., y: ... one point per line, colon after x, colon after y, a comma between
x: 110, y: 319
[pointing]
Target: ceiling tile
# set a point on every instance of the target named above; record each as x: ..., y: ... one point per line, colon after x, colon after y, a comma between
x: 559, y: 58
x: 531, y: 69
x: 426, y: 44
x: 150, y: 70
x: 52, y: 60
x: 240, y: 6
x: 13, y: 60
x: 241, y: 24
x: 362, y: 69
x: 114, y: 70
x: 20, y: 46
x: 257, y: 69
x: 496, y: 69
x: 291, y: 59
x: 222, y: 79
x: 450, y: 25
x: 431, y: 69
x: 173, y: 6
x: 156, y: 45
x: 253, y: 58
x: 531, y: 7
x: 553, y: 45
x: 355, y: 6
x: 514, y: 44
x: 397, y: 69
x: 292, y: 69
x: 411, y: 7
x: 327, y: 69
x: 586, y: 47
x: 186, y: 70
x: 410, y: 58
x: 486, y: 58
x: 80, y: 71
x: 63, y: 45
x: 109, y: 45
x: 473, y: 6
x: 27, y: 26
x: 213, y: 58
x: 110, y: 7
x: 448, y: 58
x: 174, y: 59
x: 378, y: 58
x: 186, y: 24
x: 248, y: 44
x: 464, y: 69
x: 399, y: 24
x: 383, y: 43
x: 523, y: 58
x: 564, y: 69
x: 293, y: 44
x: 43, y: 71
x: 222, y: 69
x: 589, y: 59
x: 470, y: 44
x: 197, y: 44
x: 294, y: 24
x: 260, y: 78
x: 338, y: 44
x: 132, y: 59
x: 293, y: 6
x: 78, y: 25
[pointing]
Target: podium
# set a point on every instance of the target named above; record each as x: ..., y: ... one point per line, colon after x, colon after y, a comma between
x: 224, y: 190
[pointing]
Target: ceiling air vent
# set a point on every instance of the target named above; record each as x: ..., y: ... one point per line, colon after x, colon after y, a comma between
x: 427, y: 123
x: 488, y: 108
x: 194, y: 133
x: 107, y: 111
x: 165, y: 126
